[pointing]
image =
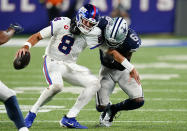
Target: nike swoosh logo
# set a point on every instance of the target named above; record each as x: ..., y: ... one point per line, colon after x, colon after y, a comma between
x: 71, y: 124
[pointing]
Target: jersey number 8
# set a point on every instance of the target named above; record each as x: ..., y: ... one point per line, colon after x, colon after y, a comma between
x: 66, y: 44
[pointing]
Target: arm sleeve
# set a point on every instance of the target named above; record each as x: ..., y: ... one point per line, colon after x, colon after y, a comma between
x: 46, y: 32
x: 93, y: 40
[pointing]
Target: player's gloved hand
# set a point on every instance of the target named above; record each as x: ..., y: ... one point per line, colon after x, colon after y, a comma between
x: 17, y: 27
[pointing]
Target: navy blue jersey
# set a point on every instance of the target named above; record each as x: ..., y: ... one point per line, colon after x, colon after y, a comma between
x: 130, y: 44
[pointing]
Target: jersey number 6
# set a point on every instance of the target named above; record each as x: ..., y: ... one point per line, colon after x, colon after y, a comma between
x: 66, y: 44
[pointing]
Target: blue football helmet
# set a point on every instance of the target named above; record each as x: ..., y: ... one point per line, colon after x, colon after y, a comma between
x: 88, y: 13
x: 116, y: 32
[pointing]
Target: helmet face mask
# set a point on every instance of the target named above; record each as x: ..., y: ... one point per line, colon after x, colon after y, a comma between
x: 86, y: 24
x: 113, y: 44
x: 87, y: 18
x: 116, y: 32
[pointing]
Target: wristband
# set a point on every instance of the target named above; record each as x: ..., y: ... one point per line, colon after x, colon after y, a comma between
x: 28, y: 44
x: 127, y: 65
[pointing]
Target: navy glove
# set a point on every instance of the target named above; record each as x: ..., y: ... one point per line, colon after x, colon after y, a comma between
x: 17, y: 27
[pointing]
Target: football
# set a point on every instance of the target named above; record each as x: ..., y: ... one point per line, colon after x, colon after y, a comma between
x: 21, y: 62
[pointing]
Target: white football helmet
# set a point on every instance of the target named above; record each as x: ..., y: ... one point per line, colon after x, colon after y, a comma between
x: 116, y: 32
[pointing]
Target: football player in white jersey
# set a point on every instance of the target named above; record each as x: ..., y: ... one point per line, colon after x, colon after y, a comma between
x: 123, y: 41
x: 68, y: 38
x: 8, y: 96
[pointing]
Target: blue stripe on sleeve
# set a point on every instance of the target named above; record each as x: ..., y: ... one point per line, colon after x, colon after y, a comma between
x: 95, y: 46
x: 51, y: 28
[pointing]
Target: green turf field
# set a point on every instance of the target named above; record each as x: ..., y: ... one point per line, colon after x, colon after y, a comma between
x: 164, y: 79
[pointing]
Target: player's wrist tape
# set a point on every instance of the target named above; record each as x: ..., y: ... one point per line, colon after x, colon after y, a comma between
x: 28, y: 44
x: 127, y: 65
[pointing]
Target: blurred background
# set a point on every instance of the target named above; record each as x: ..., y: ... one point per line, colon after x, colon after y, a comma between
x: 144, y: 16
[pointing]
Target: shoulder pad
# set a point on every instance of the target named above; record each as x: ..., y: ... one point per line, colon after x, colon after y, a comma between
x: 132, y: 40
x: 96, y: 31
x: 63, y: 20
x: 59, y: 23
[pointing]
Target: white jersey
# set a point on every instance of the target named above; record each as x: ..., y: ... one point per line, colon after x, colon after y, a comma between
x: 63, y: 45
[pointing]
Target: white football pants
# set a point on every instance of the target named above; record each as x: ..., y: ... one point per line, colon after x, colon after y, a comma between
x: 57, y: 71
x: 5, y: 92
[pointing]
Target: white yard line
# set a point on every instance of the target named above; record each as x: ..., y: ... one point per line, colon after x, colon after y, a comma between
x: 38, y: 70
x: 173, y: 57
x: 173, y: 83
x: 141, y: 121
x: 17, y: 42
x: 166, y: 90
x: 39, y: 83
x: 139, y: 110
x: 142, y: 76
x: 78, y: 90
x: 161, y: 65
x: 48, y: 108
x: 147, y: 99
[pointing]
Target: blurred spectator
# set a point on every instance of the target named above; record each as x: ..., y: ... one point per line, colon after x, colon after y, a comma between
x: 70, y: 7
x: 53, y: 8
x: 70, y: 13
x: 120, y: 9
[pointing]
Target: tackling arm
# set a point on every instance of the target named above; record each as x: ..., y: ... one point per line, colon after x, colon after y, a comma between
x: 121, y: 59
x: 116, y: 55
x: 6, y: 35
x: 129, y: 55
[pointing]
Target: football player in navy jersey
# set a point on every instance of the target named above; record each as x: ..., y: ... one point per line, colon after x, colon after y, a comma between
x: 7, y: 95
x: 124, y: 41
